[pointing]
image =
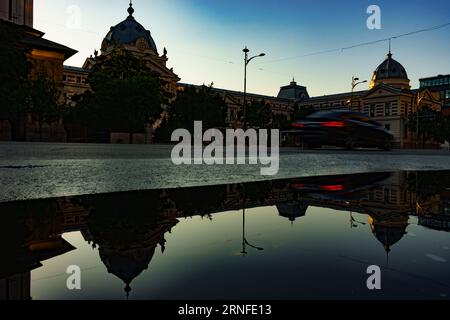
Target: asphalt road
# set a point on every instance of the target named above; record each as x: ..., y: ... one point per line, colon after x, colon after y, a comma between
x: 35, y: 170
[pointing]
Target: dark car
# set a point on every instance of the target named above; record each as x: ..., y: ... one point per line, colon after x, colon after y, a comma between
x: 342, y: 129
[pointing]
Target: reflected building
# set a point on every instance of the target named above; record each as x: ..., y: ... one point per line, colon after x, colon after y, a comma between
x: 15, y: 272
x: 292, y: 211
x: 34, y: 238
x: 388, y: 229
x: 128, y: 240
x: 129, y: 260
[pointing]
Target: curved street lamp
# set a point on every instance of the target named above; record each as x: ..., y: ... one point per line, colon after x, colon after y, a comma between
x: 355, y: 83
x: 247, y: 61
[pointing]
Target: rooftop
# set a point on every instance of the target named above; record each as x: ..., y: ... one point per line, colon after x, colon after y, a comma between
x: 240, y: 93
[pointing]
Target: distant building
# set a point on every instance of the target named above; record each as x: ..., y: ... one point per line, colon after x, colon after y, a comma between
x: 131, y: 36
x: 389, y: 101
x: 439, y: 84
x: 293, y: 92
x: 235, y: 102
x: 75, y: 83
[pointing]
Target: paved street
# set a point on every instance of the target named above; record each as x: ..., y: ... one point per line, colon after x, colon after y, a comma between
x: 34, y: 170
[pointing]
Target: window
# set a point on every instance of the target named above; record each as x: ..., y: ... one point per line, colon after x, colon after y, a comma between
x: 387, y: 197
x: 447, y: 94
x: 372, y: 110
x: 10, y: 10
x: 387, y: 109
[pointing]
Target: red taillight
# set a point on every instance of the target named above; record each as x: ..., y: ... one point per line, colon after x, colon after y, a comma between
x: 298, y: 125
x: 333, y: 124
x: 338, y: 187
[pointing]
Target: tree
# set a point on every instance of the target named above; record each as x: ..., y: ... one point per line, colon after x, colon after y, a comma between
x: 14, y: 70
x: 193, y: 104
x: 302, y: 112
x: 125, y: 94
x: 259, y: 115
x: 42, y: 101
x: 281, y: 122
x: 430, y: 124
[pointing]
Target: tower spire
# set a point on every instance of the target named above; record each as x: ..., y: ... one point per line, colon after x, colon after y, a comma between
x: 130, y: 9
x: 390, y: 52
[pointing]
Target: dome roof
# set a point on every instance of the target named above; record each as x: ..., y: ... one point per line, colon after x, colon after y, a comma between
x: 390, y: 69
x: 129, y: 32
x: 388, y: 231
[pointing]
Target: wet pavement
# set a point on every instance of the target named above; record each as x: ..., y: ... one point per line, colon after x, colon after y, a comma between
x: 35, y: 170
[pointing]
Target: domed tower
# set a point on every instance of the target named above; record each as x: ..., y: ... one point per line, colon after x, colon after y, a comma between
x: 131, y: 35
x: 391, y: 73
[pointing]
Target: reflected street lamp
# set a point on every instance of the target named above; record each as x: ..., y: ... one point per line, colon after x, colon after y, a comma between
x: 245, y: 242
x: 247, y: 61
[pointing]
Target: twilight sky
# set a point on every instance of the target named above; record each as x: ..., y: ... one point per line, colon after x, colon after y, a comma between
x: 205, y: 38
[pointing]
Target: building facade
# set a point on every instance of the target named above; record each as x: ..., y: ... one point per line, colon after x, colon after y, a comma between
x: 17, y: 11
x: 46, y: 58
x: 441, y: 85
x: 128, y: 35
x: 131, y: 36
x: 235, y: 102
x: 389, y: 101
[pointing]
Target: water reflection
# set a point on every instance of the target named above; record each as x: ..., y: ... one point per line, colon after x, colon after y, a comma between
x: 128, y: 228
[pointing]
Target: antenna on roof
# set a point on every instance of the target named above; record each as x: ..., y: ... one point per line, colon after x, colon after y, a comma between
x: 390, y: 52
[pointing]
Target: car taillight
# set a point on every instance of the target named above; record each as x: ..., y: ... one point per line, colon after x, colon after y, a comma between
x: 338, y: 187
x: 333, y: 124
x: 298, y: 125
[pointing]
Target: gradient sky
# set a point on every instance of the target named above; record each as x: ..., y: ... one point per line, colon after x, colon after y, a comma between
x: 205, y: 38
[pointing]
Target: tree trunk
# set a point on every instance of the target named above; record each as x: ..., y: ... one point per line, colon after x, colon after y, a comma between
x: 40, y: 131
x: 131, y: 136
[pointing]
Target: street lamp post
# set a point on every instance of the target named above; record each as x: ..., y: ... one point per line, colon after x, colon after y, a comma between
x: 247, y: 61
x: 419, y: 101
x: 355, y: 83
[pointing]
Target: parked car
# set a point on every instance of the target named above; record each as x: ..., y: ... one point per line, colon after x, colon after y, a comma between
x: 342, y: 128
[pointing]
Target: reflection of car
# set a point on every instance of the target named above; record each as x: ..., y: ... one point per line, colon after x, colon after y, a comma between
x: 347, y: 187
x: 342, y: 129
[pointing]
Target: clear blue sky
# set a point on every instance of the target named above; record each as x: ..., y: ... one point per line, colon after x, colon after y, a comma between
x: 205, y: 38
